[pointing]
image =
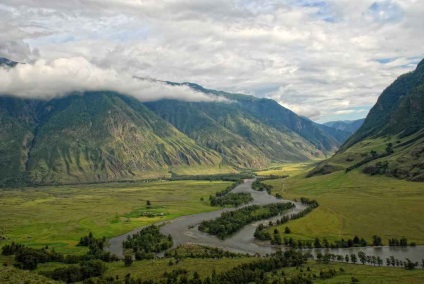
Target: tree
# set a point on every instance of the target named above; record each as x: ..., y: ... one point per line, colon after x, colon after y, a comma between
x: 353, y: 258
x: 376, y: 241
x: 362, y: 257
x: 128, y: 260
x: 148, y: 203
x: 347, y: 258
x: 317, y: 243
x: 287, y: 230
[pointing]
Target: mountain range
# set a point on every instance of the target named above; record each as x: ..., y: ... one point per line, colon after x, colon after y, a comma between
x: 346, y: 125
x: 106, y: 136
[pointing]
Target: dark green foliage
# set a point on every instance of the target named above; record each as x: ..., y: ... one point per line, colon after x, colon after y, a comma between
x: 374, y: 155
x: 231, y: 222
x: 76, y: 273
x: 261, y: 234
x: 254, y: 272
x: 128, y: 260
x: 147, y: 242
x: 402, y: 242
x: 198, y: 251
x: 376, y: 241
x: 323, y: 169
x: 258, y: 185
x: 29, y: 258
x: 233, y: 199
x: 227, y: 189
x: 95, y: 249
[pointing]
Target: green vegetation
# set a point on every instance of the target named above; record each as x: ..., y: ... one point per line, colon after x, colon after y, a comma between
x: 10, y: 275
x: 233, y: 221
x: 59, y: 216
x: 231, y: 199
x: 147, y: 242
x: 258, y: 185
x: 198, y: 251
x: 391, y: 138
x: 104, y: 136
x: 393, y: 206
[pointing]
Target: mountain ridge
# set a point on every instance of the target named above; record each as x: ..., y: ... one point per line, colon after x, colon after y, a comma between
x: 102, y: 136
x: 391, y: 140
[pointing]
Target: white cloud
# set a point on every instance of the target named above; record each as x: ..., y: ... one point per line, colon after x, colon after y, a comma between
x: 60, y: 77
x: 316, y: 57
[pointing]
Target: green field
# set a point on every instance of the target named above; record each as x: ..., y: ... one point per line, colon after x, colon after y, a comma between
x: 354, y: 204
x: 364, y: 273
x: 59, y: 216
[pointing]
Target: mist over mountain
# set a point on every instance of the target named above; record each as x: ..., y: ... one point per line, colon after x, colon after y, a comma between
x: 99, y: 136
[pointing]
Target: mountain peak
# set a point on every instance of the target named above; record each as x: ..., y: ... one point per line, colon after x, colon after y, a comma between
x: 7, y: 62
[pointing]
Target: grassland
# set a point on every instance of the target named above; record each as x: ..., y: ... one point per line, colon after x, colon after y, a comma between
x: 59, y: 216
x: 10, y: 275
x: 364, y: 273
x: 353, y: 204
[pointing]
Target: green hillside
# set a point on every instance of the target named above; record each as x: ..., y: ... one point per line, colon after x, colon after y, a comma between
x: 104, y: 136
x: 96, y: 137
x: 391, y: 140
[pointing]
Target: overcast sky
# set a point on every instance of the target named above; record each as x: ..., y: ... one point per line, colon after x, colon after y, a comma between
x: 326, y: 60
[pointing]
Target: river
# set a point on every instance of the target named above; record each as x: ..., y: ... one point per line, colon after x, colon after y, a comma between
x: 185, y: 230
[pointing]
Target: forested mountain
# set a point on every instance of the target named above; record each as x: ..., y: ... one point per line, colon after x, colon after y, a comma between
x: 106, y: 136
x: 346, y: 125
x: 391, y: 140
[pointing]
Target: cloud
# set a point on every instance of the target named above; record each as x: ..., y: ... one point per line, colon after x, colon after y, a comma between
x: 60, y: 77
x: 315, y: 57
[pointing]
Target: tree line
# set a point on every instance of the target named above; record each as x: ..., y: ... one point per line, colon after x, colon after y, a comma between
x: 260, y: 186
x: 147, y: 242
x: 262, y: 234
x: 232, y: 221
x: 363, y: 258
x: 232, y: 199
x: 373, y: 155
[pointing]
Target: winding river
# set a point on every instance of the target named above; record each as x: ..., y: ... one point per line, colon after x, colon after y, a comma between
x: 185, y: 230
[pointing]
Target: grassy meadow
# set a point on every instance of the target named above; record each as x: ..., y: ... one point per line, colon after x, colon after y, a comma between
x: 59, y: 216
x: 353, y: 204
x: 364, y: 273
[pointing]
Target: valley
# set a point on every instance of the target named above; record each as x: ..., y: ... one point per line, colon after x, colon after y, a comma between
x: 119, y: 208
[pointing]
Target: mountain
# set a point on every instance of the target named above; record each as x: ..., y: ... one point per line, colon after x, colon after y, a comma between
x: 350, y: 126
x: 4, y: 62
x: 391, y: 139
x: 106, y: 136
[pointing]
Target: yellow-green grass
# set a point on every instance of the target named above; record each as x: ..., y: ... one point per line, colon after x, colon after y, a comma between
x: 154, y: 269
x: 11, y: 275
x: 59, y: 216
x: 203, y: 170
x: 285, y: 169
x: 364, y: 273
x: 355, y: 204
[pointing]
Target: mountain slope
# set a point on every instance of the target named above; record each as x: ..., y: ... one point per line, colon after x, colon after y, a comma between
x: 350, y: 126
x: 391, y: 140
x: 98, y: 136
x: 239, y: 137
x: 272, y: 114
x: 106, y: 136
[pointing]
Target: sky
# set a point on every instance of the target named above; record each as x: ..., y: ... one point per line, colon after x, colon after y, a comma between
x: 324, y: 59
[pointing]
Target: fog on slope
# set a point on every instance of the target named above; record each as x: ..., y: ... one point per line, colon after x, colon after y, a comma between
x: 60, y: 77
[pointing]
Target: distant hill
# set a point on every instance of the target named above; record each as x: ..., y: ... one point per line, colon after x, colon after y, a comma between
x: 391, y: 139
x: 106, y: 136
x: 350, y: 126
